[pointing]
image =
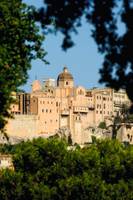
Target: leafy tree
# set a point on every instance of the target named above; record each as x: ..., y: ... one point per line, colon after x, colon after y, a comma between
x: 20, y: 42
x: 102, y: 125
x: 46, y: 169
x: 107, y: 19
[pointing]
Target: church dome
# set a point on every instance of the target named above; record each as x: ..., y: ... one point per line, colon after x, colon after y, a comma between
x: 65, y: 75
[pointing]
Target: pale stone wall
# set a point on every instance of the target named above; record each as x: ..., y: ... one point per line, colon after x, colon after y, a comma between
x: 125, y: 133
x: 64, y: 92
x: 77, y: 136
x: 64, y: 121
x: 48, y: 112
x: 23, y: 126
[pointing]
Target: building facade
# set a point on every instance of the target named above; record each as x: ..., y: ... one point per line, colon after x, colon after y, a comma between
x: 60, y: 104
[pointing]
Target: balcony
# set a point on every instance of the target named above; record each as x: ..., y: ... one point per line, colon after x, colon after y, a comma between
x: 118, y: 104
x: 81, y: 109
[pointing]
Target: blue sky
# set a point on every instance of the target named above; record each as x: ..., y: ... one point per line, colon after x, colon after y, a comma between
x: 83, y: 60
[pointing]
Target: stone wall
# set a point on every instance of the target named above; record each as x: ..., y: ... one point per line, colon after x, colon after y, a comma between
x: 125, y: 133
x: 23, y: 126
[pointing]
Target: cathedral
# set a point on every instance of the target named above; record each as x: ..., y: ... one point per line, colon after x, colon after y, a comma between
x: 60, y: 105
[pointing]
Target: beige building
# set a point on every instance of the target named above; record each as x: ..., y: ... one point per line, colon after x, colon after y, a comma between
x: 6, y: 161
x: 120, y: 98
x: 103, y: 104
x: 60, y: 104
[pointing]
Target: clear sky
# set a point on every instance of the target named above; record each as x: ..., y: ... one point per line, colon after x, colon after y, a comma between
x: 82, y: 60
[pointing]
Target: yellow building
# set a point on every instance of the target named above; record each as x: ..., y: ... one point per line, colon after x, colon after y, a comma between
x: 59, y: 104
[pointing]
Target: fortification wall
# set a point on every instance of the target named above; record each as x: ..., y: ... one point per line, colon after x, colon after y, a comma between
x: 23, y: 126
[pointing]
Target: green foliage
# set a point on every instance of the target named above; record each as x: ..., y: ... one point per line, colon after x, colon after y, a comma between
x: 112, y: 29
x: 127, y: 116
x: 20, y: 42
x: 102, y: 125
x: 46, y: 169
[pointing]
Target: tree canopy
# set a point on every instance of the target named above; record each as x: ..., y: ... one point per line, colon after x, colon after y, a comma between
x: 20, y: 42
x: 112, y: 29
x: 47, y: 169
